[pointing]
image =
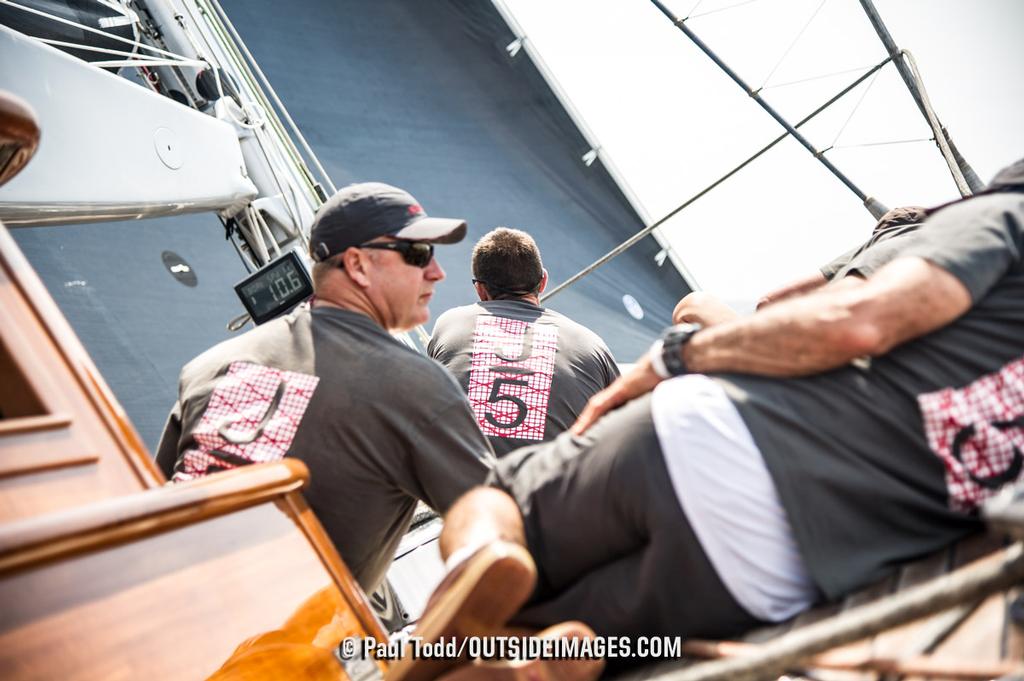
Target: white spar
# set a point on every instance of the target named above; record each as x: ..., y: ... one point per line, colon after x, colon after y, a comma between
x: 110, y: 149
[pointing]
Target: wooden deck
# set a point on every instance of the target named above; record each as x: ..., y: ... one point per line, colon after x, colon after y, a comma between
x: 978, y: 640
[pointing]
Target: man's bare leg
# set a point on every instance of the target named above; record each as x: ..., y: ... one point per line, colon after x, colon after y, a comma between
x: 490, y: 576
x: 480, y: 516
x: 702, y: 308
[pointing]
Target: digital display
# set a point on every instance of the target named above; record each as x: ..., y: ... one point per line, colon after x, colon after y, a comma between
x: 275, y: 288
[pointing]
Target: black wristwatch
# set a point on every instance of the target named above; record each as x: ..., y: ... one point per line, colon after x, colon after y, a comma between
x: 666, y: 353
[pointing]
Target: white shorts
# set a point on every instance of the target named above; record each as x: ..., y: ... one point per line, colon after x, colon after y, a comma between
x: 729, y: 497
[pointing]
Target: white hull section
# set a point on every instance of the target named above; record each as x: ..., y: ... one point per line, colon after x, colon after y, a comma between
x: 110, y: 149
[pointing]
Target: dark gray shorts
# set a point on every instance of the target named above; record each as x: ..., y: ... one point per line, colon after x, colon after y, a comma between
x: 612, y: 545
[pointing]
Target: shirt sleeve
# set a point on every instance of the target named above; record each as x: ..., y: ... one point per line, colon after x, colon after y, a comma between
x: 167, y: 450
x: 452, y: 456
x: 432, y: 345
x: 611, y: 368
x: 830, y: 269
x: 977, y: 241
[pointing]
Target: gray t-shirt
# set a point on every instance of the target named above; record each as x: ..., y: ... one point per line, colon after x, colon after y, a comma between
x: 528, y: 371
x: 883, y: 246
x: 883, y: 460
x: 379, y: 425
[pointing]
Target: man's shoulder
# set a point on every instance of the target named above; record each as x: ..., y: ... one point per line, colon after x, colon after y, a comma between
x: 582, y: 333
x: 246, y: 347
x: 457, y: 315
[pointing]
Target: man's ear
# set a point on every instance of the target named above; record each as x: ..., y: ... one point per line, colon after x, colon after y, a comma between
x: 481, y: 291
x: 543, y: 281
x: 356, y: 264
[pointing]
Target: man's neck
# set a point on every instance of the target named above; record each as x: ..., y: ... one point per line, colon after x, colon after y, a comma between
x: 350, y: 303
x: 532, y: 299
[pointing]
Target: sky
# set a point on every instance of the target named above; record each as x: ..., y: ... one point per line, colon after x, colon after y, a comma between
x: 670, y: 122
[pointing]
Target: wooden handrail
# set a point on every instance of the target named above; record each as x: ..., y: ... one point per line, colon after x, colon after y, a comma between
x: 19, y: 131
x: 31, y: 541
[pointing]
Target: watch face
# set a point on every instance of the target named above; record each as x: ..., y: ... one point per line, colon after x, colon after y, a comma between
x: 674, y: 340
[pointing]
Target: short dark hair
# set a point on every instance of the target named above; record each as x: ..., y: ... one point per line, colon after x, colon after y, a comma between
x: 507, y: 262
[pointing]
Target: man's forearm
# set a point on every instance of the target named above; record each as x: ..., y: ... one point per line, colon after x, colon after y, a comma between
x: 828, y: 328
x: 794, y: 288
x: 792, y: 338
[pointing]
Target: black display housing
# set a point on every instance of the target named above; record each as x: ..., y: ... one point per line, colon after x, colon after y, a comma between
x: 275, y: 288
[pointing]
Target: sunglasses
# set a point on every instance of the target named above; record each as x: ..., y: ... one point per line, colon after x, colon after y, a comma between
x: 415, y: 253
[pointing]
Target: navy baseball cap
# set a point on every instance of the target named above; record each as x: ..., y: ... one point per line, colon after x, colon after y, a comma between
x: 362, y: 212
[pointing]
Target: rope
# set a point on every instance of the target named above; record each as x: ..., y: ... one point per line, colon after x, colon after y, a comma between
x: 628, y: 243
x: 90, y: 29
x: 791, y: 45
x: 933, y: 121
x: 147, y: 59
x: 273, y: 94
x: 119, y: 63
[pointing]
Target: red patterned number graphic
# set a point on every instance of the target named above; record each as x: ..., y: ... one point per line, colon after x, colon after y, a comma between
x: 978, y: 432
x: 252, y: 417
x: 510, y: 378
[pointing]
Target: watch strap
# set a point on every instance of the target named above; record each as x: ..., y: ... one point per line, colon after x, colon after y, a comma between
x: 657, y: 362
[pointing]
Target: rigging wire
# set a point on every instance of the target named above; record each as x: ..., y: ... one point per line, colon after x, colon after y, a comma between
x: 222, y: 16
x: 631, y: 241
x: 857, y: 69
x: 694, y: 8
x: 882, y: 144
x: 854, y: 110
x: 967, y: 181
x: 791, y: 45
x: 691, y: 15
x: 872, y: 205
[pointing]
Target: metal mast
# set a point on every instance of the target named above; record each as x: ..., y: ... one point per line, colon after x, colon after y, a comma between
x: 966, y: 179
x: 875, y: 207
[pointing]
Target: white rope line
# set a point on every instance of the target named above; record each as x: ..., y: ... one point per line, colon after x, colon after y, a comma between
x: 265, y: 228
x: 93, y: 48
x: 132, y: 58
x: 792, y: 45
x: 255, y: 239
x: 119, y: 63
x: 933, y: 121
x: 254, y: 116
x: 90, y: 29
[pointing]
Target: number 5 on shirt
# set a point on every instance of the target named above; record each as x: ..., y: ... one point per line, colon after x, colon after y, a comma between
x: 510, y: 379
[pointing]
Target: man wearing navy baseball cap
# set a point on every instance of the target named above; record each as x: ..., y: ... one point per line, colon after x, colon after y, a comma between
x: 379, y: 425
x: 350, y: 240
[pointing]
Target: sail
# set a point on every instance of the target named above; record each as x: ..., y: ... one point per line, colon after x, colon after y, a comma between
x: 673, y: 122
x: 419, y: 94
